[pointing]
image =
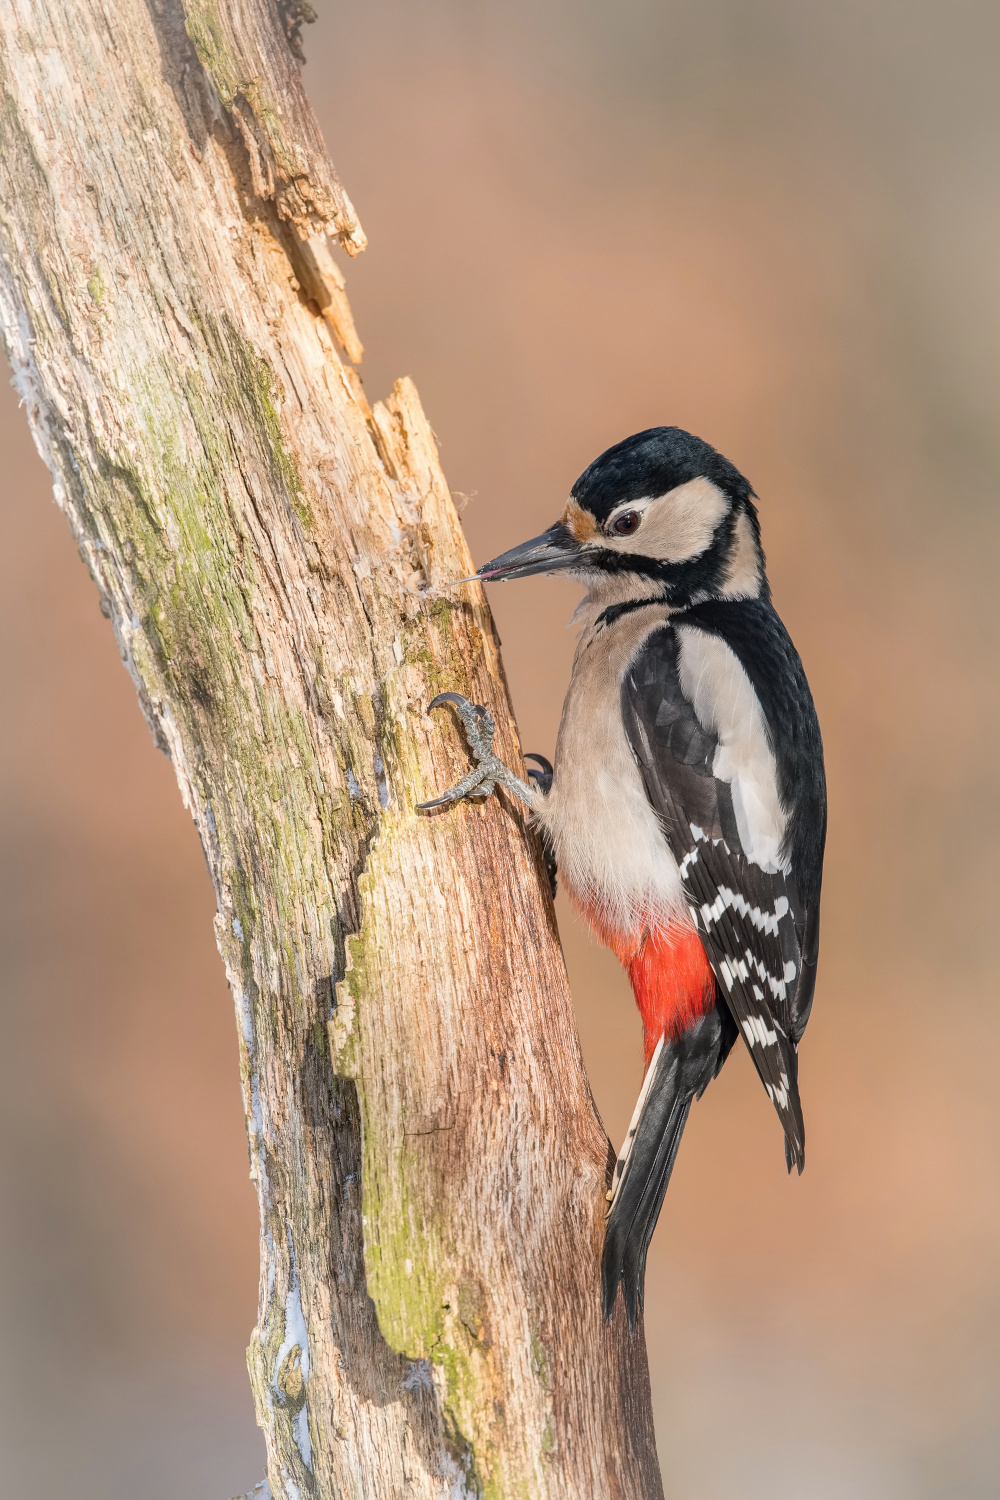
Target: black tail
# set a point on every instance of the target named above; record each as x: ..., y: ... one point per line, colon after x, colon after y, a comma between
x: 678, y: 1073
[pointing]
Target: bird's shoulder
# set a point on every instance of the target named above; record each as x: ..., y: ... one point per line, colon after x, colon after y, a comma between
x: 753, y: 631
x: 720, y: 687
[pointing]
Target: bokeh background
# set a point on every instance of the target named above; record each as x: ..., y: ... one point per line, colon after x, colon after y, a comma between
x: 776, y: 223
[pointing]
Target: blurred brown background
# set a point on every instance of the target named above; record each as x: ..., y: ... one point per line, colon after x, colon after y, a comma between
x: 775, y: 223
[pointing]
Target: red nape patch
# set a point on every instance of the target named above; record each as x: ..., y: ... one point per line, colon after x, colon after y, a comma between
x: 672, y: 979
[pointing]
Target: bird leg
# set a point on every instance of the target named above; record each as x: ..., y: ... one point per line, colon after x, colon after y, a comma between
x: 481, y: 781
x: 488, y: 772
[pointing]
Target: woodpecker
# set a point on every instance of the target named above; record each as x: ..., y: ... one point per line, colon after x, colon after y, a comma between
x: 686, y: 810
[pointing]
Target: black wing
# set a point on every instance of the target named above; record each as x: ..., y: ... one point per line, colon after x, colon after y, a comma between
x: 759, y: 935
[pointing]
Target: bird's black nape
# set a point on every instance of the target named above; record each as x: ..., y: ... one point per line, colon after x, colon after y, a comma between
x: 679, y: 1072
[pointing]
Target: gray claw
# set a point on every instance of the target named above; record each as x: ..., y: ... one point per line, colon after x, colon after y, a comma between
x: 482, y: 780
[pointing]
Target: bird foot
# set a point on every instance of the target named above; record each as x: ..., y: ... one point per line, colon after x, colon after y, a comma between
x: 489, y: 772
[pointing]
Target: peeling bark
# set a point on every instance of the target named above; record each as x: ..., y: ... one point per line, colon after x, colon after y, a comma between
x: 274, y: 556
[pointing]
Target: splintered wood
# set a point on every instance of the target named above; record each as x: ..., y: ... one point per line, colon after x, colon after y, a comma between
x: 275, y: 558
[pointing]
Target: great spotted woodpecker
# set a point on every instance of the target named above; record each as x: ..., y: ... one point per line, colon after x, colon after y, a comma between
x: 686, y: 812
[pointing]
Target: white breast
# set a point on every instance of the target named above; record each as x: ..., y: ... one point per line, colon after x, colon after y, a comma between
x: 608, y: 842
x: 723, y: 698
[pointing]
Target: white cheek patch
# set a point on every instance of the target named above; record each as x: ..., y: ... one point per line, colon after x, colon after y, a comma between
x: 675, y: 527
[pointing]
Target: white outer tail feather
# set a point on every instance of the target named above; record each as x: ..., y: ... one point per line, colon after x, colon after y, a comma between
x: 640, y: 1104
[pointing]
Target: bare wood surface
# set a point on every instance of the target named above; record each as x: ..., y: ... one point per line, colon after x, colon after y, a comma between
x: 274, y: 557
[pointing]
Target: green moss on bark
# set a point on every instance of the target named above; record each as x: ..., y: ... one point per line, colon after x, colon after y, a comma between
x: 233, y: 78
x: 167, y: 500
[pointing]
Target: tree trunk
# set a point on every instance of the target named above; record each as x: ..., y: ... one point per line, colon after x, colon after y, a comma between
x: 274, y: 556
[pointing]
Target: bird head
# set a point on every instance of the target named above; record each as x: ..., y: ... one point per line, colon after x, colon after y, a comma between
x: 659, y: 515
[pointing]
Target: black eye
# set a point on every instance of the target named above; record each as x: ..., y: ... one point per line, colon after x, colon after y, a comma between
x: 624, y: 525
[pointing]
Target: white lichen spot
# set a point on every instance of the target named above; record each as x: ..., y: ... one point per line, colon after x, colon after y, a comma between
x: 291, y: 1489
x: 456, y: 1478
x: 272, y: 1266
x: 300, y: 1432
x: 295, y: 1339
x: 418, y: 1377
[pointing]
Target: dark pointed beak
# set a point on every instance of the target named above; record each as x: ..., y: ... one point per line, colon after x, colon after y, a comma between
x: 555, y: 549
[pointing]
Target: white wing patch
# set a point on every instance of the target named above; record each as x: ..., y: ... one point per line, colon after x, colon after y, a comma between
x: 722, y: 695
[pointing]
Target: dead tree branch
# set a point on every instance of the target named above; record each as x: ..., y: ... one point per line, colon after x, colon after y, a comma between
x: 274, y: 558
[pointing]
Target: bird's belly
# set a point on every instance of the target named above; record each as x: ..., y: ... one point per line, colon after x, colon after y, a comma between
x: 609, y: 844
